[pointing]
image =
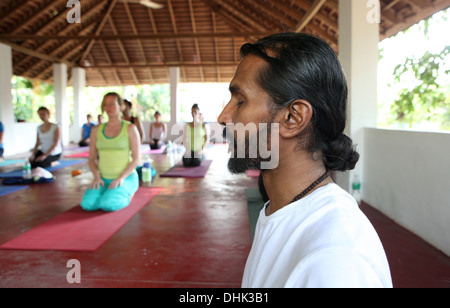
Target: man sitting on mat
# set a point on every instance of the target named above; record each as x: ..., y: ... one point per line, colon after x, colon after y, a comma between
x: 117, y: 144
x: 48, y: 148
x: 311, y: 233
x: 195, y: 139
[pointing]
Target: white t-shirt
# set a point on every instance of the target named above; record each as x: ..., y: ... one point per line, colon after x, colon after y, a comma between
x: 47, y: 140
x: 320, y: 241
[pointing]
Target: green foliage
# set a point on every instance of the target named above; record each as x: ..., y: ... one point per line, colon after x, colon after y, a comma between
x: 424, y: 99
x: 151, y: 99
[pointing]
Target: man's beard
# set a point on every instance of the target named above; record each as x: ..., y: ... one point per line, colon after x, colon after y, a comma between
x: 244, y: 160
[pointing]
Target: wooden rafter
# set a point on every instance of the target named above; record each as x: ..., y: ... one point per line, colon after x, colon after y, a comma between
x: 312, y: 11
x: 105, y: 18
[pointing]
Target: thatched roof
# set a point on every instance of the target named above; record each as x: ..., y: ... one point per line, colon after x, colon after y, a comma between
x: 121, y: 42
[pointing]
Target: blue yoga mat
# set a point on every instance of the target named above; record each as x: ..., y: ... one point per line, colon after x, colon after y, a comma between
x: 4, y: 190
x: 62, y: 164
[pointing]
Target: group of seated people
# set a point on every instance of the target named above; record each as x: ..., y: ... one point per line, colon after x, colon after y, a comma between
x: 114, y: 151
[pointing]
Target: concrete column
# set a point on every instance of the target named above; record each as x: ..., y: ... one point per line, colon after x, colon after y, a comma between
x: 358, y: 53
x: 79, y: 99
x: 6, y: 105
x: 61, y: 104
x: 174, y: 73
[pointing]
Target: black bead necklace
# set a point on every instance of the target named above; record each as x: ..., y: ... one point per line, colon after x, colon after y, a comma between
x: 312, y: 186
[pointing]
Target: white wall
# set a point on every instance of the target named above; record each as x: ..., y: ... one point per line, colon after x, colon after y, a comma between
x: 23, y: 138
x: 407, y: 177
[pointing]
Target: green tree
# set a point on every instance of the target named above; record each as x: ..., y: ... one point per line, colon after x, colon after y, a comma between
x: 151, y: 99
x: 424, y: 99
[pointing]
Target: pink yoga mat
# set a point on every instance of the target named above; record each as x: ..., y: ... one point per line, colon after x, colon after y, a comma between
x: 78, y: 230
x: 253, y: 173
x: 156, y: 151
x: 78, y: 155
x: 179, y: 171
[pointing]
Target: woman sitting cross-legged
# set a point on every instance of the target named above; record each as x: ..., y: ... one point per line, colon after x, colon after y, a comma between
x: 117, y: 144
x: 48, y: 148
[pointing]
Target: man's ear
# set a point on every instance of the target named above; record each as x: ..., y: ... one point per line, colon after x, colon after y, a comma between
x: 295, y: 118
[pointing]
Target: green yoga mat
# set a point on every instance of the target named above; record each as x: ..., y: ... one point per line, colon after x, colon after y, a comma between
x: 255, y: 203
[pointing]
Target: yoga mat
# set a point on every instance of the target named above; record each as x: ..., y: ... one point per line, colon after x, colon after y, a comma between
x: 11, y: 162
x: 157, y: 151
x: 255, y: 203
x: 4, y: 190
x: 253, y: 173
x: 84, y: 154
x: 79, y: 230
x: 62, y: 164
x: 179, y: 171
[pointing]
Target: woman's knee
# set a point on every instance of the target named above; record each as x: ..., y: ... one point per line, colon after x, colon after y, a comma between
x: 91, y: 200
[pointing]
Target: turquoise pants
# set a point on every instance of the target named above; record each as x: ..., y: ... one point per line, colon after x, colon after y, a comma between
x: 111, y: 200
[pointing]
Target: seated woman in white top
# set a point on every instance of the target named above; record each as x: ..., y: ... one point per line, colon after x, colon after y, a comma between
x: 157, y: 132
x: 48, y: 146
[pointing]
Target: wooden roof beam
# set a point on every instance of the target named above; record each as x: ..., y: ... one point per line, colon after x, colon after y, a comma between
x: 36, y: 54
x: 133, y: 26
x: 166, y: 64
x: 111, y: 6
x: 61, y: 47
x: 69, y: 29
x: 158, y: 42
x: 194, y: 29
x: 312, y: 11
x: 122, y: 49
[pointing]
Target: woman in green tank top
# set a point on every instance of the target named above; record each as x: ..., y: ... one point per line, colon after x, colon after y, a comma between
x: 113, y: 157
x: 195, y: 139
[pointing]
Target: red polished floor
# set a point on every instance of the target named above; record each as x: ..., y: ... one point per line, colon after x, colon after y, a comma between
x: 195, y: 233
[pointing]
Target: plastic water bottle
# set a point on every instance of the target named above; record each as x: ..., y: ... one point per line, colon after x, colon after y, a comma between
x: 26, y: 170
x: 356, y: 189
x: 146, y: 173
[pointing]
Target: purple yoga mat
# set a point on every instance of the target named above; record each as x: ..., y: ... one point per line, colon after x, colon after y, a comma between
x: 178, y: 171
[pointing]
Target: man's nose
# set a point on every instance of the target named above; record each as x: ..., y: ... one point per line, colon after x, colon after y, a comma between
x: 226, y: 116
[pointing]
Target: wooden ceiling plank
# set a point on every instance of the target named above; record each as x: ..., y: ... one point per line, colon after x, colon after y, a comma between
x: 77, y: 48
x: 216, y: 50
x: 61, y: 47
x: 230, y: 6
x: 174, y: 26
x: 275, y: 13
x: 16, y: 5
x: 100, y: 27
x: 194, y: 29
x: 139, y: 42
x: 68, y: 29
x: 122, y: 49
x: 158, y: 42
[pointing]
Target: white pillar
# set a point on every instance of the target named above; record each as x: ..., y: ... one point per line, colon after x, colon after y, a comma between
x: 174, y: 74
x: 358, y: 53
x: 6, y: 105
x: 61, y: 105
x: 79, y: 99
